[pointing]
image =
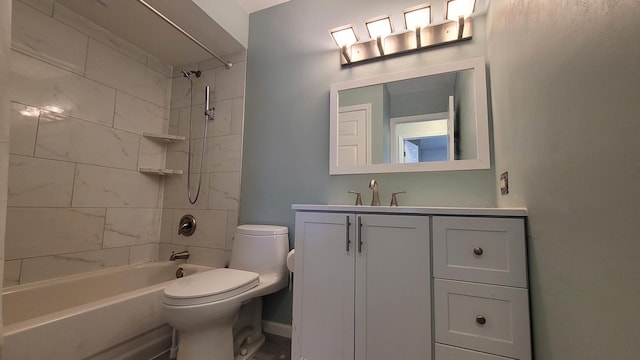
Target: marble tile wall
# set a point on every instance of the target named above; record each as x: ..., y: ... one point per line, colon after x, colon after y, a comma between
x: 5, y: 40
x: 216, y: 210
x: 80, y: 99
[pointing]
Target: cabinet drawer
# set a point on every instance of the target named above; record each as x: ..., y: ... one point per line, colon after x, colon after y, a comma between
x: 487, y: 318
x: 486, y: 250
x: 445, y: 352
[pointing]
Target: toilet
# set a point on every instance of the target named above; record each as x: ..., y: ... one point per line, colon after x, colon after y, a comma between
x: 218, y: 313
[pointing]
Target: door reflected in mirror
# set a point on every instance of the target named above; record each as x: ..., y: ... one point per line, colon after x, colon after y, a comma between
x: 423, y: 120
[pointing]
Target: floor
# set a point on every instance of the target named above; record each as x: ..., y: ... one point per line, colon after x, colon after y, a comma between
x: 275, y: 348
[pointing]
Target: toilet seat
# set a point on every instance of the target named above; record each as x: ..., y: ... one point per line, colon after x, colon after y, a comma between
x: 209, y: 286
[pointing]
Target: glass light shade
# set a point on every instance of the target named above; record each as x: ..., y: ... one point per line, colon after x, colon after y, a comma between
x: 379, y: 27
x: 417, y: 18
x: 54, y: 109
x: 459, y: 8
x: 344, y: 37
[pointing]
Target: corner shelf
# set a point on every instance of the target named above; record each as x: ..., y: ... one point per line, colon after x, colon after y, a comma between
x: 162, y: 172
x: 163, y: 137
x: 166, y: 138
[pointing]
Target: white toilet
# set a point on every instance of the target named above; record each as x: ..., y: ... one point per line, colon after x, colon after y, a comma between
x: 205, y: 308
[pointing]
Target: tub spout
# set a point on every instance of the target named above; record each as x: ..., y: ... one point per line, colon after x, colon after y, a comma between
x: 179, y: 255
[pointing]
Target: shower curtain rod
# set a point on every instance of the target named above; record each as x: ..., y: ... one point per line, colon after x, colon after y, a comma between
x: 177, y: 27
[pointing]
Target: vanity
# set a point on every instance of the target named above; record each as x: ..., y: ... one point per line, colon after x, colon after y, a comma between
x: 381, y: 282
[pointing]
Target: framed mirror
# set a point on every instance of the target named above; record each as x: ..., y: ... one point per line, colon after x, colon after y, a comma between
x: 428, y: 119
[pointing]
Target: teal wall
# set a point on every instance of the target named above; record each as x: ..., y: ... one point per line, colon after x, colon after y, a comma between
x: 291, y: 64
x: 565, y: 83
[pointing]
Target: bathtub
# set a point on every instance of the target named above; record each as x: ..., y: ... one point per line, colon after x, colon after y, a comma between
x: 107, y: 314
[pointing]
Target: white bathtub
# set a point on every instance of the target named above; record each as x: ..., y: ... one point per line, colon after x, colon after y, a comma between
x: 107, y: 314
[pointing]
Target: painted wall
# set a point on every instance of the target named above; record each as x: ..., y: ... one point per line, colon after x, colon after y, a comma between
x: 565, y: 85
x: 230, y: 15
x: 286, y: 142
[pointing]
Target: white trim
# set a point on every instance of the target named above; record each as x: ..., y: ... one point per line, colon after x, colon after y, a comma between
x: 395, y: 145
x: 278, y: 329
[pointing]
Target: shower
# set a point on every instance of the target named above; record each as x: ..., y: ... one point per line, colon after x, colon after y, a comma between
x: 208, y: 115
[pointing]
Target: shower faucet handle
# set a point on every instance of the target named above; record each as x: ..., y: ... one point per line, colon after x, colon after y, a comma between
x: 358, y: 197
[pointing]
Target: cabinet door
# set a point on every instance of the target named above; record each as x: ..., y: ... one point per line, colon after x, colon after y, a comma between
x: 393, y: 282
x: 323, y: 297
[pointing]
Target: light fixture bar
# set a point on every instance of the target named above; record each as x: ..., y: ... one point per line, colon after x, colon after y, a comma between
x: 419, y: 33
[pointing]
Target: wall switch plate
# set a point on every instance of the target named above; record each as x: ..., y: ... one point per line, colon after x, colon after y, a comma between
x: 504, y: 183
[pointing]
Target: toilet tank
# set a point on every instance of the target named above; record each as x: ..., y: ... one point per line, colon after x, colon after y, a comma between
x: 260, y: 248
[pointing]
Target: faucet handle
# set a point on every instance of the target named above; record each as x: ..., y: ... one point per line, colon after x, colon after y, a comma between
x: 358, y: 197
x: 394, y: 199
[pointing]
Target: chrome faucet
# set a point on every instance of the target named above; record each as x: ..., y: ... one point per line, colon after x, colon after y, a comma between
x: 375, y: 200
x: 179, y: 255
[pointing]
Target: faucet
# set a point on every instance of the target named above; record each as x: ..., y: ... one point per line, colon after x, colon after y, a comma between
x: 184, y: 228
x: 375, y: 200
x: 179, y: 255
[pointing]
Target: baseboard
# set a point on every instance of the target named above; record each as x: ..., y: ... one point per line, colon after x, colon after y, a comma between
x: 274, y: 328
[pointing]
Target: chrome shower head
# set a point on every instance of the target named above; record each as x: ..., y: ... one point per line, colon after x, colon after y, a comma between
x: 187, y: 74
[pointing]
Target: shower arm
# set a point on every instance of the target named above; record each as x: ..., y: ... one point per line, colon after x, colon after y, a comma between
x: 226, y: 63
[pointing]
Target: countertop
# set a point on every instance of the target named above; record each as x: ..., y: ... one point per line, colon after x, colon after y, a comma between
x: 421, y: 210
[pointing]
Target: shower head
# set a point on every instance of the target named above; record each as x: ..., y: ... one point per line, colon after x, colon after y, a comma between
x: 187, y: 74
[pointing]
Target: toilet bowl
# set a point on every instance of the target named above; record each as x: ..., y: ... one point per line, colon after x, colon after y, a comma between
x: 205, y: 308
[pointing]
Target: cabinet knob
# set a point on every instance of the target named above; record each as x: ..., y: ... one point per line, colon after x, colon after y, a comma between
x: 481, y: 320
x: 478, y: 250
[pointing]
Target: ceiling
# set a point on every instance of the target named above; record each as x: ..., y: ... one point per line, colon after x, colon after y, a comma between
x: 257, y: 5
x: 420, y: 84
x: 135, y: 23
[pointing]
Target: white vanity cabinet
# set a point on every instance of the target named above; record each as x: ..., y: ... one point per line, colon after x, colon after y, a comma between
x: 361, y: 287
x: 481, y: 300
x: 364, y: 287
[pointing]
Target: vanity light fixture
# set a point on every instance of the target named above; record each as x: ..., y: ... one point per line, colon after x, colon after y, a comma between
x: 378, y: 29
x: 459, y: 10
x: 416, y: 18
x: 419, y: 34
x: 344, y: 36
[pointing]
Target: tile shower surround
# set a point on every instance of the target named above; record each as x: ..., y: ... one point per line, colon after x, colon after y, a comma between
x: 76, y: 200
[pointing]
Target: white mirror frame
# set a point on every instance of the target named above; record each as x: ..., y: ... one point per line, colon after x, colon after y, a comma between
x: 481, y: 115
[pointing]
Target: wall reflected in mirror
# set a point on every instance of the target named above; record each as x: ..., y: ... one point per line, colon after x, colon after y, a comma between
x: 429, y: 118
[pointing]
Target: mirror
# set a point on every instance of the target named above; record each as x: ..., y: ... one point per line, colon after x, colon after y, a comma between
x: 427, y: 119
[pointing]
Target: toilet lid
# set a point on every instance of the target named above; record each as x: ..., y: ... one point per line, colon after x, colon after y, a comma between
x: 263, y: 230
x: 209, y: 286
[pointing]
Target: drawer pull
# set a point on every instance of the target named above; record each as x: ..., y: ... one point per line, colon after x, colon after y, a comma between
x: 478, y: 250
x: 481, y: 320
